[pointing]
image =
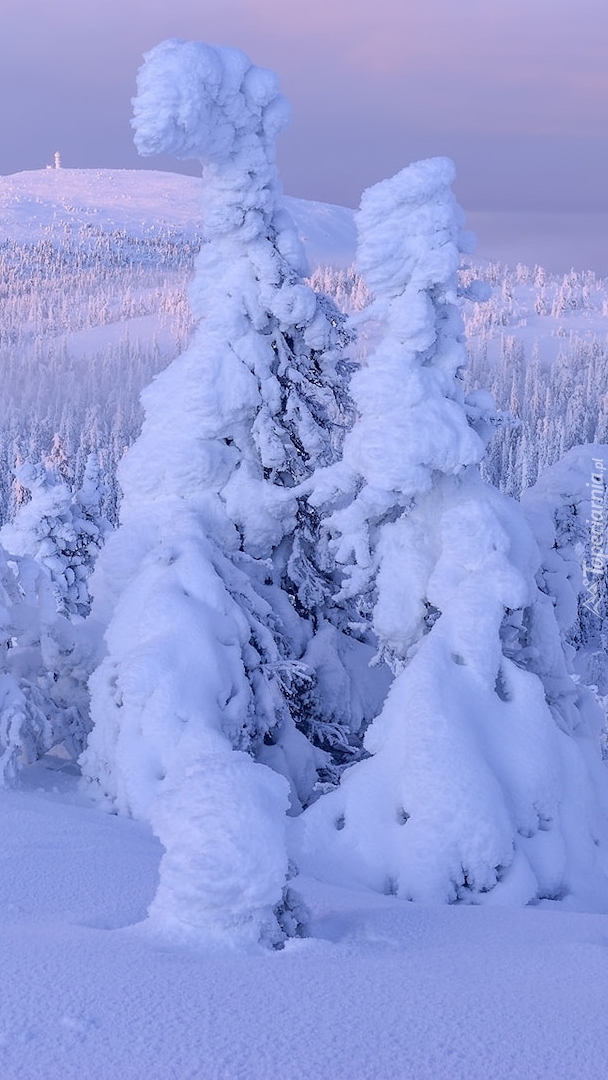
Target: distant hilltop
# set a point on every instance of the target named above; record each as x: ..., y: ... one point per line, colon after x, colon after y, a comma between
x: 32, y: 203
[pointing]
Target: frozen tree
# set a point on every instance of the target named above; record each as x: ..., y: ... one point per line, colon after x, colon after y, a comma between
x: 412, y: 421
x: 53, y: 542
x: 209, y: 583
x: 41, y: 703
x: 566, y: 509
x: 62, y: 530
x: 57, y: 461
x: 92, y: 526
x: 485, y: 776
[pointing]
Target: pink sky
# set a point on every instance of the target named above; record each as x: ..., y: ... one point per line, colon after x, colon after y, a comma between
x: 516, y: 91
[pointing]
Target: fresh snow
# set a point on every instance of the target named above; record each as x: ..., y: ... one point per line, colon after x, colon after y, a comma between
x: 385, y: 990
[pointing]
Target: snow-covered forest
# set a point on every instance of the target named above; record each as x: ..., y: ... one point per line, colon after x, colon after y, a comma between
x: 302, y: 572
x: 90, y: 313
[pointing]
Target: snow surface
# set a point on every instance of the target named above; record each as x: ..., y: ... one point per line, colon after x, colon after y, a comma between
x: 386, y: 990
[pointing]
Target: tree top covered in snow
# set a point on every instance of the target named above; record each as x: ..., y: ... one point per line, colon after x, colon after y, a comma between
x: 206, y: 102
x: 410, y: 229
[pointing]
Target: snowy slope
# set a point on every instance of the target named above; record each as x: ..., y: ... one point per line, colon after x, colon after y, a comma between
x: 386, y: 990
x: 35, y: 204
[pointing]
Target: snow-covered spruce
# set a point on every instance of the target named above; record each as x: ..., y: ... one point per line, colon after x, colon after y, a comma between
x: 48, y: 649
x: 63, y: 530
x: 485, y: 779
x: 110, y: 303
x: 567, y: 512
x: 412, y: 421
x: 43, y: 700
x: 273, y: 404
x: 54, y: 541
x: 206, y: 582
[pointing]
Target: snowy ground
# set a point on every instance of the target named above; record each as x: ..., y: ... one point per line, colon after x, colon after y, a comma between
x: 384, y: 990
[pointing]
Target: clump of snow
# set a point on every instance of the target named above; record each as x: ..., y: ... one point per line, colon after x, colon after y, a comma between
x: 222, y: 823
x: 201, y: 101
x: 411, y: 421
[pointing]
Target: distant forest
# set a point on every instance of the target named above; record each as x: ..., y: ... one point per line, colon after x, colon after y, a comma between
x: 88, y: 317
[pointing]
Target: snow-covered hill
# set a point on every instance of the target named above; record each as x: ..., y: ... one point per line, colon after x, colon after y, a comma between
x: 51, y: 203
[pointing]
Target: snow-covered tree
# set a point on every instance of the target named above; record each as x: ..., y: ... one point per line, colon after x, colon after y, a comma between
x: 61, y: 529
x: 53, y: 542
x: 210, y: 585
x: 412, y: 421
x: 567, y: 512
x: 485, y: 775
x: 58, y: 462
x: 41, y: 701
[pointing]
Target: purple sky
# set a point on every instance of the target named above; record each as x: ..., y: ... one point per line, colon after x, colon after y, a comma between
x: 516, y: 91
